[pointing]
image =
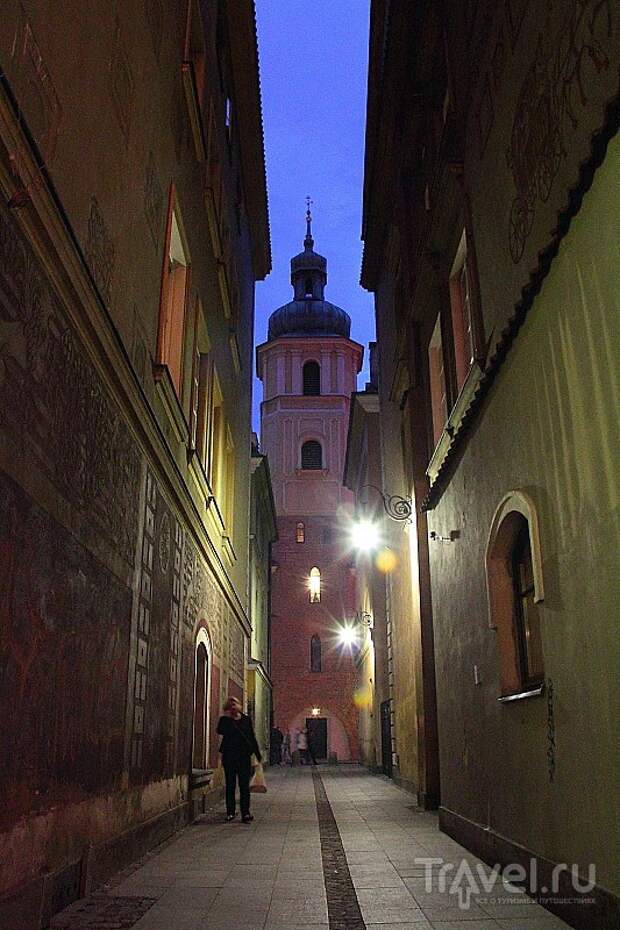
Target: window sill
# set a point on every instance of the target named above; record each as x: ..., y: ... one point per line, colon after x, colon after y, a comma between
x: 224, y: 291
x: 454, y: 421
x: 234, y: 350
x: 521, y: 695
x: 168, y: 395
x: 216, y: 242
x: 200, y: 476
x: 195, y: 119
x: 311, y: 472
x: 228, y: 547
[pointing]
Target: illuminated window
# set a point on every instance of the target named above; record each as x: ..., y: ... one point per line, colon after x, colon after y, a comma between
x: 171, y: 334
x: 300, y: 533
x: 315, y: 586
x: 315, y: 654
x: 311, y: 455
x: 308, y: 287
x: 312, y: 378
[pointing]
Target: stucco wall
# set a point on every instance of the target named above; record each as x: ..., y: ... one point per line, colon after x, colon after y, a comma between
x: 550, y: 428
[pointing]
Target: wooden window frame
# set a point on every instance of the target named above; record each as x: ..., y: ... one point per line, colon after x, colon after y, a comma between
x: 193, y: 72
x: 515, y: 511
x: 521, y: 550
x: 170, y: 284
x: 438, y: 381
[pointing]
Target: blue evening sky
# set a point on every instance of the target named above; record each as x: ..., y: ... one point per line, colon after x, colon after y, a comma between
x: 313, y: 65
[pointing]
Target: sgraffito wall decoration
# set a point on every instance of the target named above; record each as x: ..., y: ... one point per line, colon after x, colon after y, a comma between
x: 157, y: 662
x: 100, y: 251
x: 153, y: 200
x: 548, y: 107
x: 64, y: 640
x: 543, y: 81
x: 121, y: 84
x: 53, y: 406
x: 154, y: 16
x: 31, y: 80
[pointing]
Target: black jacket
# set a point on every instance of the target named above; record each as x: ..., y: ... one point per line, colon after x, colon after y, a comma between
x: 238, y: 740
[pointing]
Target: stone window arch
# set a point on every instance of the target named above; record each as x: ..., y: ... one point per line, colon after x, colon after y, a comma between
x: 311, y: 378
x: 515, y: 590
x: 315, y: 654
x: 312, y: 455
x: 202, y: 688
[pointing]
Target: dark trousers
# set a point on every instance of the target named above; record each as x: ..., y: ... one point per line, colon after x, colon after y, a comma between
x: 237, y: 768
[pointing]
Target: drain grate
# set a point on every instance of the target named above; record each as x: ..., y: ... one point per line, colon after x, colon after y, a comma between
x: 103, y: 912
x: 342, y: 904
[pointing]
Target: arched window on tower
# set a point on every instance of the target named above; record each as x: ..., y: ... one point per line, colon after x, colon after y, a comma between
x: 314, y: 586
x: 315, y: 654
x: 311, y: 455
x: 300, y: 533
x: 312, y: 379
x: 308, y: 287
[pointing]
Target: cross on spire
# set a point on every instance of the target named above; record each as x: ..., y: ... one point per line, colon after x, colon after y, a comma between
x: 308, y: 241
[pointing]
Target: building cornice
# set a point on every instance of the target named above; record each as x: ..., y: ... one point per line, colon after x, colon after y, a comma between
x: 246, y: 76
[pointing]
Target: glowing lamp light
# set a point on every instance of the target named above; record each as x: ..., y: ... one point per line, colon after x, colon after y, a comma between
x: 347, y: 636
x: 316, y: 711
x: 365, y: 535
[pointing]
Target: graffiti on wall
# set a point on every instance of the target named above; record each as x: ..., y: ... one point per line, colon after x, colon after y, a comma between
x: 53, y: 405
x: 64, y: 639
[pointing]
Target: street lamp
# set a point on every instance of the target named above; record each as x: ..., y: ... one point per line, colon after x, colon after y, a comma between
x: 365, y: 535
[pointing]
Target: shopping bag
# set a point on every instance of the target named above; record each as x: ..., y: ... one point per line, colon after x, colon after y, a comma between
x: 257, y: 785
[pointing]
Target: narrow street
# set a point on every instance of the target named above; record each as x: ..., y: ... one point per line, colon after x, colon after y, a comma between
x: 332, y: 847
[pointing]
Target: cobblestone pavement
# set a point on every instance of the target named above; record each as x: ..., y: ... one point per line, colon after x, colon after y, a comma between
x: 273, y: 874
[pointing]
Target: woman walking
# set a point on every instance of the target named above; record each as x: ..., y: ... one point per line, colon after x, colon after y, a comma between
x: 238, y: 744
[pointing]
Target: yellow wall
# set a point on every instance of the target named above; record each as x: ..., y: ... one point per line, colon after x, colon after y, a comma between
x: 551, y: 429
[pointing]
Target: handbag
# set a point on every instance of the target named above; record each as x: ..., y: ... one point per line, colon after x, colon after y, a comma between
x: 257, y: 784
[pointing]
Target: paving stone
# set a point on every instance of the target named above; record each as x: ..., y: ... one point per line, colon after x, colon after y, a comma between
x: 330, y: 849
x: 105, y: 912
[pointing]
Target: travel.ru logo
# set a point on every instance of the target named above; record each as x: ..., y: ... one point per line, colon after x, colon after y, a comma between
x: 464, y: 879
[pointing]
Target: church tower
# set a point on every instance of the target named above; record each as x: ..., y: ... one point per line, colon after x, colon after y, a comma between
x: 308, y: 368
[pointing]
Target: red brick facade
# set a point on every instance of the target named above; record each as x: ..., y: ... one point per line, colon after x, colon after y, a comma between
x: 297, y: 689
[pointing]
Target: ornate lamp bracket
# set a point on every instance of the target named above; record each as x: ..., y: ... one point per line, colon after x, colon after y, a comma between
x: 396, y: 507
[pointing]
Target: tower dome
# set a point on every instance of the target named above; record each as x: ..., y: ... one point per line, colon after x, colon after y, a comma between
x: 309, y: 314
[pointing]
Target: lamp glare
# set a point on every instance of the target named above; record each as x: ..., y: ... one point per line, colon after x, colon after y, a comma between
x: 365, y: 535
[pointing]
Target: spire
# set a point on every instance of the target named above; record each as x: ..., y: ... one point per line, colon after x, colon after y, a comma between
x: 308, y: 241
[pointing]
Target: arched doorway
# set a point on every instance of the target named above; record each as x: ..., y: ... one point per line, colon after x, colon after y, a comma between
x: 200, y: 743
